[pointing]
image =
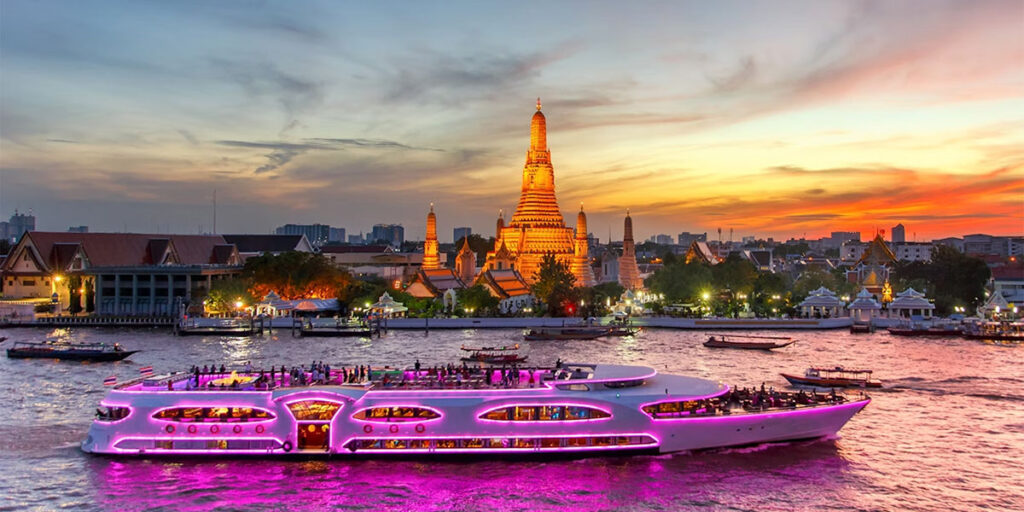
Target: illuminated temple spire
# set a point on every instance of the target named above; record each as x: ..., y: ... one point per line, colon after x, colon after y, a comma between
x: 431, y: 260
x: 629, y: 273
x: 537, y: 227
x: 580, y: 266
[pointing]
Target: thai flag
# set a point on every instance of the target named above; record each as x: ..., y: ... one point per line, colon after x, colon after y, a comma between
x: 146, y: 370
x: 110, y: 381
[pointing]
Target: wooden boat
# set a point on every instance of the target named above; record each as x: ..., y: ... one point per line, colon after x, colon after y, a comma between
x: 566, y: 333
x: 69, y: 351
x: 918, y: 331
x: 836, y: 377
x: 620, y: 330
x: 493, y: 355
x: 738, y: 341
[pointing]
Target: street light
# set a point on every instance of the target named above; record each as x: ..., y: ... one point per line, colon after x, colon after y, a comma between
x: 705, y: 296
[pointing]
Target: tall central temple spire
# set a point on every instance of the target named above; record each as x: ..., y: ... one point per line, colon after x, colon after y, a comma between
x: 537, y: 227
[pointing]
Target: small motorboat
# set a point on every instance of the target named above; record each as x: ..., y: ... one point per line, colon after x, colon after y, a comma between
x: 566, y: 333
x: 995, y: 331
x: 859, y: 328
x: 835, y: 377
x: 748, y: 342
x: 69, y: 351
x: 493, y: 355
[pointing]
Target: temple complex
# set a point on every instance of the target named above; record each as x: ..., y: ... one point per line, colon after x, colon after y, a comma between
x: 629, y: 273
x: 431, y: 260
x: 537, y: 227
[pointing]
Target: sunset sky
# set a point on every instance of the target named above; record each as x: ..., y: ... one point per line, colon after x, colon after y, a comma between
x: 770, y: 118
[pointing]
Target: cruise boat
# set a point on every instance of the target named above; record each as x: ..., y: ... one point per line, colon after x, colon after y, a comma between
x: 578, y: 409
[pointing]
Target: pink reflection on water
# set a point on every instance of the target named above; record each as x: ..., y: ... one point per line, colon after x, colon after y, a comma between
x: 778, y: 475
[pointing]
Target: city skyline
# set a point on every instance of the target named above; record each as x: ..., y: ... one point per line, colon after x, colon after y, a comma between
x: 769, y: 121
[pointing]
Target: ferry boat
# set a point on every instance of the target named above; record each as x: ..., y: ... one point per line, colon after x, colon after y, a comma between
x: 493, y: 355
x: 577, y: 409
x: 837, y: 377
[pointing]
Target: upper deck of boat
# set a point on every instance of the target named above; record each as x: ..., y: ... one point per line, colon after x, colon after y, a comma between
x: 569, y: 376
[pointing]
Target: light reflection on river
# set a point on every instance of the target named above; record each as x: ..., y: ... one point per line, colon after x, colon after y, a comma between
x: 947, y: 432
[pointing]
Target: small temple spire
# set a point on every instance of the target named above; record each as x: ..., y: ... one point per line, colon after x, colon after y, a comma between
x: 538, y: 102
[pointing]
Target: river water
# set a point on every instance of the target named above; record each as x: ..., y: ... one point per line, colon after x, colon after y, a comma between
x: 946, y: 433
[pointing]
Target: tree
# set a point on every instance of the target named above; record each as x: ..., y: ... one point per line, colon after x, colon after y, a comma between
x: 295, y: 275
x: 90, y: 296
x: 553, y: 286
x: 681, y: 282
x: 954, y: 278
x: 75, y: 294
x: 477, y: 301
x: 225, y: 293
x: 735, y: 274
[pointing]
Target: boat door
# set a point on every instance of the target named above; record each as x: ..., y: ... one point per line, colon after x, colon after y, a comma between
x: 314, y: 436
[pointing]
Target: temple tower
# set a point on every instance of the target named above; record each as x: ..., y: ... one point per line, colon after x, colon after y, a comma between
x: 629, y: 273
x: 465, y: 263
x: 537, y: 227
x: 580, y: 267
x: 431, y: 261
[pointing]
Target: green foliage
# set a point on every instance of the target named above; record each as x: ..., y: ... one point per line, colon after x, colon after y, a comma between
x: 952, y: 278
x: 478, y: 299
x: 295, y: 275
x: 735, y: 274
x: 553, y: 287
x: 75, y: 294
x: 90, y: 296
x: 811, y: 279
x: 225, y: 293
x: 682, y: 282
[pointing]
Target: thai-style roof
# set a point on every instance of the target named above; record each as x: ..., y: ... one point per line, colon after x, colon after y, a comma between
x: 877, y: 253
x: 435, y: 281
x: 822, y: 297
x: 57, y: 249
x: 504, y: 284
x: 911, y: 299
x: 701, y: 252
x: 864, y: 300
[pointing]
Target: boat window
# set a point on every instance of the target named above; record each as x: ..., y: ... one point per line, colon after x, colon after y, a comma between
x: 389, y: 414
x: 682, y: 408
x: 305, y: 410
x: 208, y: 414
x: 112, y: 413
x: 624, y: 384
x: 574, y: 387
x: 544, y: 413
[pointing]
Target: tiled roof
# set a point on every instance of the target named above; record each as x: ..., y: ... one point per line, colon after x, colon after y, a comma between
x: 125, y: 249
x: 508, y: 283
x: 264, y: 243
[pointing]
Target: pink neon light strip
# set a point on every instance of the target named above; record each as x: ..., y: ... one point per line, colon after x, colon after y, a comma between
x: 194, y: 438
x: 653, y: 443
x: 405, y: 421
x: 821, y: 409
x: 212, y: 406
x: 480, y: 416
